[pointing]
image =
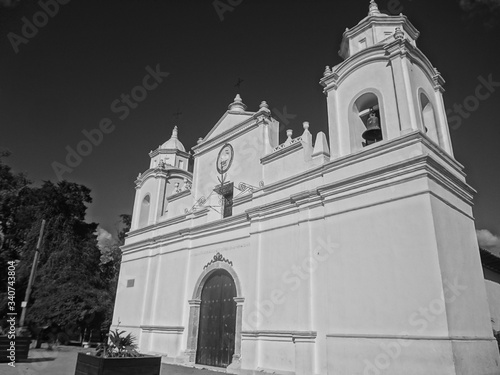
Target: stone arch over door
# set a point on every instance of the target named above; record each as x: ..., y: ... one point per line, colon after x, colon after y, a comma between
x: 195, y: 306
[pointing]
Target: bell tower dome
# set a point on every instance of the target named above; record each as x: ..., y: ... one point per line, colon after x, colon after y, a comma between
x: 386, y: 75
x: 167, y: 180
x: 171, y: 153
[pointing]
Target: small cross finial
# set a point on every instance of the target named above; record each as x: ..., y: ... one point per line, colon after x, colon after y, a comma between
x: 177, y: 115
x: 238, y: 84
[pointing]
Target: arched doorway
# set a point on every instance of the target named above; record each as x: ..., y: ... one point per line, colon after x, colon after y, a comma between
x: 217, y: 326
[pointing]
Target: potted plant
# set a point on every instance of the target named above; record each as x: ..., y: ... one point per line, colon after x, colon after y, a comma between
x: 118, y: 356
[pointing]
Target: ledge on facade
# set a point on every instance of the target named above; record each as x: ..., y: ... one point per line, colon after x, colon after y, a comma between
x: 285, y: 150
x: 281, y: 335
x: 159, y: 151
x: 243, y: 198
x: 167, y: 329
x: 437, y: 164
x: 291, y: 145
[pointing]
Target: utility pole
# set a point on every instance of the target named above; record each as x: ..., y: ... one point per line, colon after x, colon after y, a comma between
x: 24, y: 304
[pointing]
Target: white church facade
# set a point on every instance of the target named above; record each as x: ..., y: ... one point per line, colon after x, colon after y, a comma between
x: 352, y: 253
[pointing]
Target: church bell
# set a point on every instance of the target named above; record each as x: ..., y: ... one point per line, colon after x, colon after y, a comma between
x: 373, y: 133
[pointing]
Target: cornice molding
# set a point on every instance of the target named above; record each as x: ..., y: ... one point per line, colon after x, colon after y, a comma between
x: 435, y: 166
x: 285, y: 151
x: 166, y: 329
x: 401, y: 48
x: 213, y: 227
x: 279, y: 335
x: 159, y: 151
x: 162, y: 173
x: 408, y: 337
x: 341, y: 71
x: 369, y: 21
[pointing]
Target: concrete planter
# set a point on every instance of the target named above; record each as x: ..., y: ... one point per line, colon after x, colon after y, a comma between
x: 91, y: 365
x: 22, y: 345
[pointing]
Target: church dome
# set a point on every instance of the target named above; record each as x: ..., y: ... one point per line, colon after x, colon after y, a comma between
x: 173, y: 143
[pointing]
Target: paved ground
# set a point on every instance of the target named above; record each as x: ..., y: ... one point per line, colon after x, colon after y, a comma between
x: 62, y: 361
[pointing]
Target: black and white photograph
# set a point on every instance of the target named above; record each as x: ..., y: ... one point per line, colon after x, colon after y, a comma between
x: 292, y: 187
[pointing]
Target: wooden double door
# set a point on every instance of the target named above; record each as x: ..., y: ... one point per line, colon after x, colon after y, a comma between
x: 217, y: 326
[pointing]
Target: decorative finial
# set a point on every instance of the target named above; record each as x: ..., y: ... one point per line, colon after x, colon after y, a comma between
x: 374, y: 11
x: 398, y: 34
x: 289, y: 133
x: 327, y: 71
x: 237, y: 105
x: 199, y: 140
x: 264, y: 106
x: 175, y: 132
x: 306, y: 125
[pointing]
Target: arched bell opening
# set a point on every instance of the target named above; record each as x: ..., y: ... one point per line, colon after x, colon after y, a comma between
x: 144, y: 211
x: 365, y: 121
x: 428, y: 118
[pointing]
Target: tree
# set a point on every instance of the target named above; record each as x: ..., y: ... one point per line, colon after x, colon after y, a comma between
x: 111, y: 256
x: 71, y: 285
x: 14, y: 191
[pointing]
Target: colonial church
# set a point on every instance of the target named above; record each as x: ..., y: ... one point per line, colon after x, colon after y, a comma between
x: 348, y: 253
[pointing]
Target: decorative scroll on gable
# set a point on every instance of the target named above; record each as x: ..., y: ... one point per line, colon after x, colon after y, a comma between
x: 218, y: 258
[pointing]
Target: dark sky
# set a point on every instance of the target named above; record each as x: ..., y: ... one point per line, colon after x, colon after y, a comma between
x: 63, y: 80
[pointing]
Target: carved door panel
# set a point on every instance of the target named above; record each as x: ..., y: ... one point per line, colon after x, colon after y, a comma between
x: 217, y: 321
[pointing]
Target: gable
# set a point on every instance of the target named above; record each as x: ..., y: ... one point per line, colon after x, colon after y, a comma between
x: 228, y: 121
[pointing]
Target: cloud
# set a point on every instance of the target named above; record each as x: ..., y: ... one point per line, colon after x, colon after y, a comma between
x: 488, y: 241
x: 104, y: 237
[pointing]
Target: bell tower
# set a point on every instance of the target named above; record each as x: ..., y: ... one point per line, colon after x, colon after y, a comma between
x: 384, y: 74
x: 417, y: 303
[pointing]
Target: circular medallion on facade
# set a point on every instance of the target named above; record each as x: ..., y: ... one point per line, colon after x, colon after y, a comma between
x: 225, y: 158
